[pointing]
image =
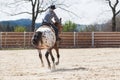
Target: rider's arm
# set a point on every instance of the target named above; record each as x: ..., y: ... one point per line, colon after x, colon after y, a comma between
x: 55, y: 17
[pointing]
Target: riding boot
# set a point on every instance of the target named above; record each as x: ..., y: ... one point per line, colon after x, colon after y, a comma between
x: 58, y: 38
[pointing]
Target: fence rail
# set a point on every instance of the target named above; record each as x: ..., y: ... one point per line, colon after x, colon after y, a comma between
x: 69, y: 39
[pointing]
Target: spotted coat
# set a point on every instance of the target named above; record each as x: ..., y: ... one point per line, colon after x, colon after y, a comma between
x: 48, y: 36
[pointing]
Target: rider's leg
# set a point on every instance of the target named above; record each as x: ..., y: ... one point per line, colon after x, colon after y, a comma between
x: 56, y: 32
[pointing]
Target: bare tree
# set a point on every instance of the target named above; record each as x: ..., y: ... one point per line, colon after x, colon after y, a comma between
x: 37, y: 7
x: 114, y: 12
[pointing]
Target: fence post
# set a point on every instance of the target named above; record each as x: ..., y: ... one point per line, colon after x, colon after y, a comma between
x: 74, y: 39
x: 0, y: 40
x: 24, y: 39
x: 6, y: 34
x: 93, y: 39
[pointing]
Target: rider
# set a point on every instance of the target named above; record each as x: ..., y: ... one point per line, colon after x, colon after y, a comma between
x: 48, y: 19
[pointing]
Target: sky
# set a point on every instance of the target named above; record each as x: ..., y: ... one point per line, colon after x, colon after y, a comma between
x: 85, y: 11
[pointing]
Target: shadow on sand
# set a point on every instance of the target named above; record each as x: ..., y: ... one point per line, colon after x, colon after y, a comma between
x: 70, y: 69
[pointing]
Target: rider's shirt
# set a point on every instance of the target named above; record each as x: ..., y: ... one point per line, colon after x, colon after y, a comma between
x: 50, y: 15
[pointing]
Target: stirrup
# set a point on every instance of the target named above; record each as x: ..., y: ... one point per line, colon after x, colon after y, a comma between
x: 58, y: 39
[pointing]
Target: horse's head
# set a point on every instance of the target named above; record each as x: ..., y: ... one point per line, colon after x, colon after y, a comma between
x: 59, y: 26
x: 36, y: 38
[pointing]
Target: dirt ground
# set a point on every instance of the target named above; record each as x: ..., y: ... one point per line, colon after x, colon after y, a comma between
x: 75, y: 64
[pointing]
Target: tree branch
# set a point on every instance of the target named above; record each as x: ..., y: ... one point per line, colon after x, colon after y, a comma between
x: 31, y: 2
x: 110, y: 4
x: 69, y: 11
x: 21, y: 13
x: 43, y: 10
x: 118, y: 12
x: 37, y: 11
x: 5, y: 12
x: 117, y: 1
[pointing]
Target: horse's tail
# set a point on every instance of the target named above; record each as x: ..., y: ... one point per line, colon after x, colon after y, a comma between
x: 37, y: 37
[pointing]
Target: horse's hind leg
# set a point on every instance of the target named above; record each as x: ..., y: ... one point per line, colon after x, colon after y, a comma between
x: 40, y: 56
x: 53, y: 59
x: 46, y: 55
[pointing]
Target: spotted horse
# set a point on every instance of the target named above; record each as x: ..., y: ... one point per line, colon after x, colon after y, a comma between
x: 44, y: 38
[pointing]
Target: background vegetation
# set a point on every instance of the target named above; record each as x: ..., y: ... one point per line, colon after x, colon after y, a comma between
x: 69, y: 26
x: 19, y: 29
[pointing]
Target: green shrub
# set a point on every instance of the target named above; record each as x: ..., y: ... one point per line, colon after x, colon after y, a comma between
x: 69, y: 26
x: 19, y: 29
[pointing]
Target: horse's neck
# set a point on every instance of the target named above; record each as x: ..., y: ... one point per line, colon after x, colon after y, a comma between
x: 58, y: 26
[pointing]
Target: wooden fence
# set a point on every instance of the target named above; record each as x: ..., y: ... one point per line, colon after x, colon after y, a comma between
x: 69, y: 39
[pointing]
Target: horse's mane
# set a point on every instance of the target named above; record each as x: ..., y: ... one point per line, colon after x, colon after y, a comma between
x: 56, y: 23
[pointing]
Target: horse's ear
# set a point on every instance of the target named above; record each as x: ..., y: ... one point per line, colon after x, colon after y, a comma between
x: 60, y: 20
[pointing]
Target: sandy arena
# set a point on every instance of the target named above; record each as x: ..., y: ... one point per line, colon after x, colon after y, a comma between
x: 75, y: 64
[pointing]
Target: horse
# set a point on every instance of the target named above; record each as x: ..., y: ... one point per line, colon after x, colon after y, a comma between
x: 44, y: 38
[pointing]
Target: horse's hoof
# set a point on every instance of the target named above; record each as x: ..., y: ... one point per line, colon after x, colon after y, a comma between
x: 42, y: 65
x: 57, y: 63
x: 53, y: 67
x: 49, y: 67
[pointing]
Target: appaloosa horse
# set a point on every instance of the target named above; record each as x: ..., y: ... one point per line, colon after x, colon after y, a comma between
x: 44, y: 38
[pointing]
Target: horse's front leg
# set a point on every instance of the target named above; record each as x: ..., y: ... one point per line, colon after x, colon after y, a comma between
x: 40, y: 56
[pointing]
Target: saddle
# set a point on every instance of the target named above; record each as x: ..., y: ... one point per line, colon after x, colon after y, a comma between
x: 44, y: 23
x: 48, y: 24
